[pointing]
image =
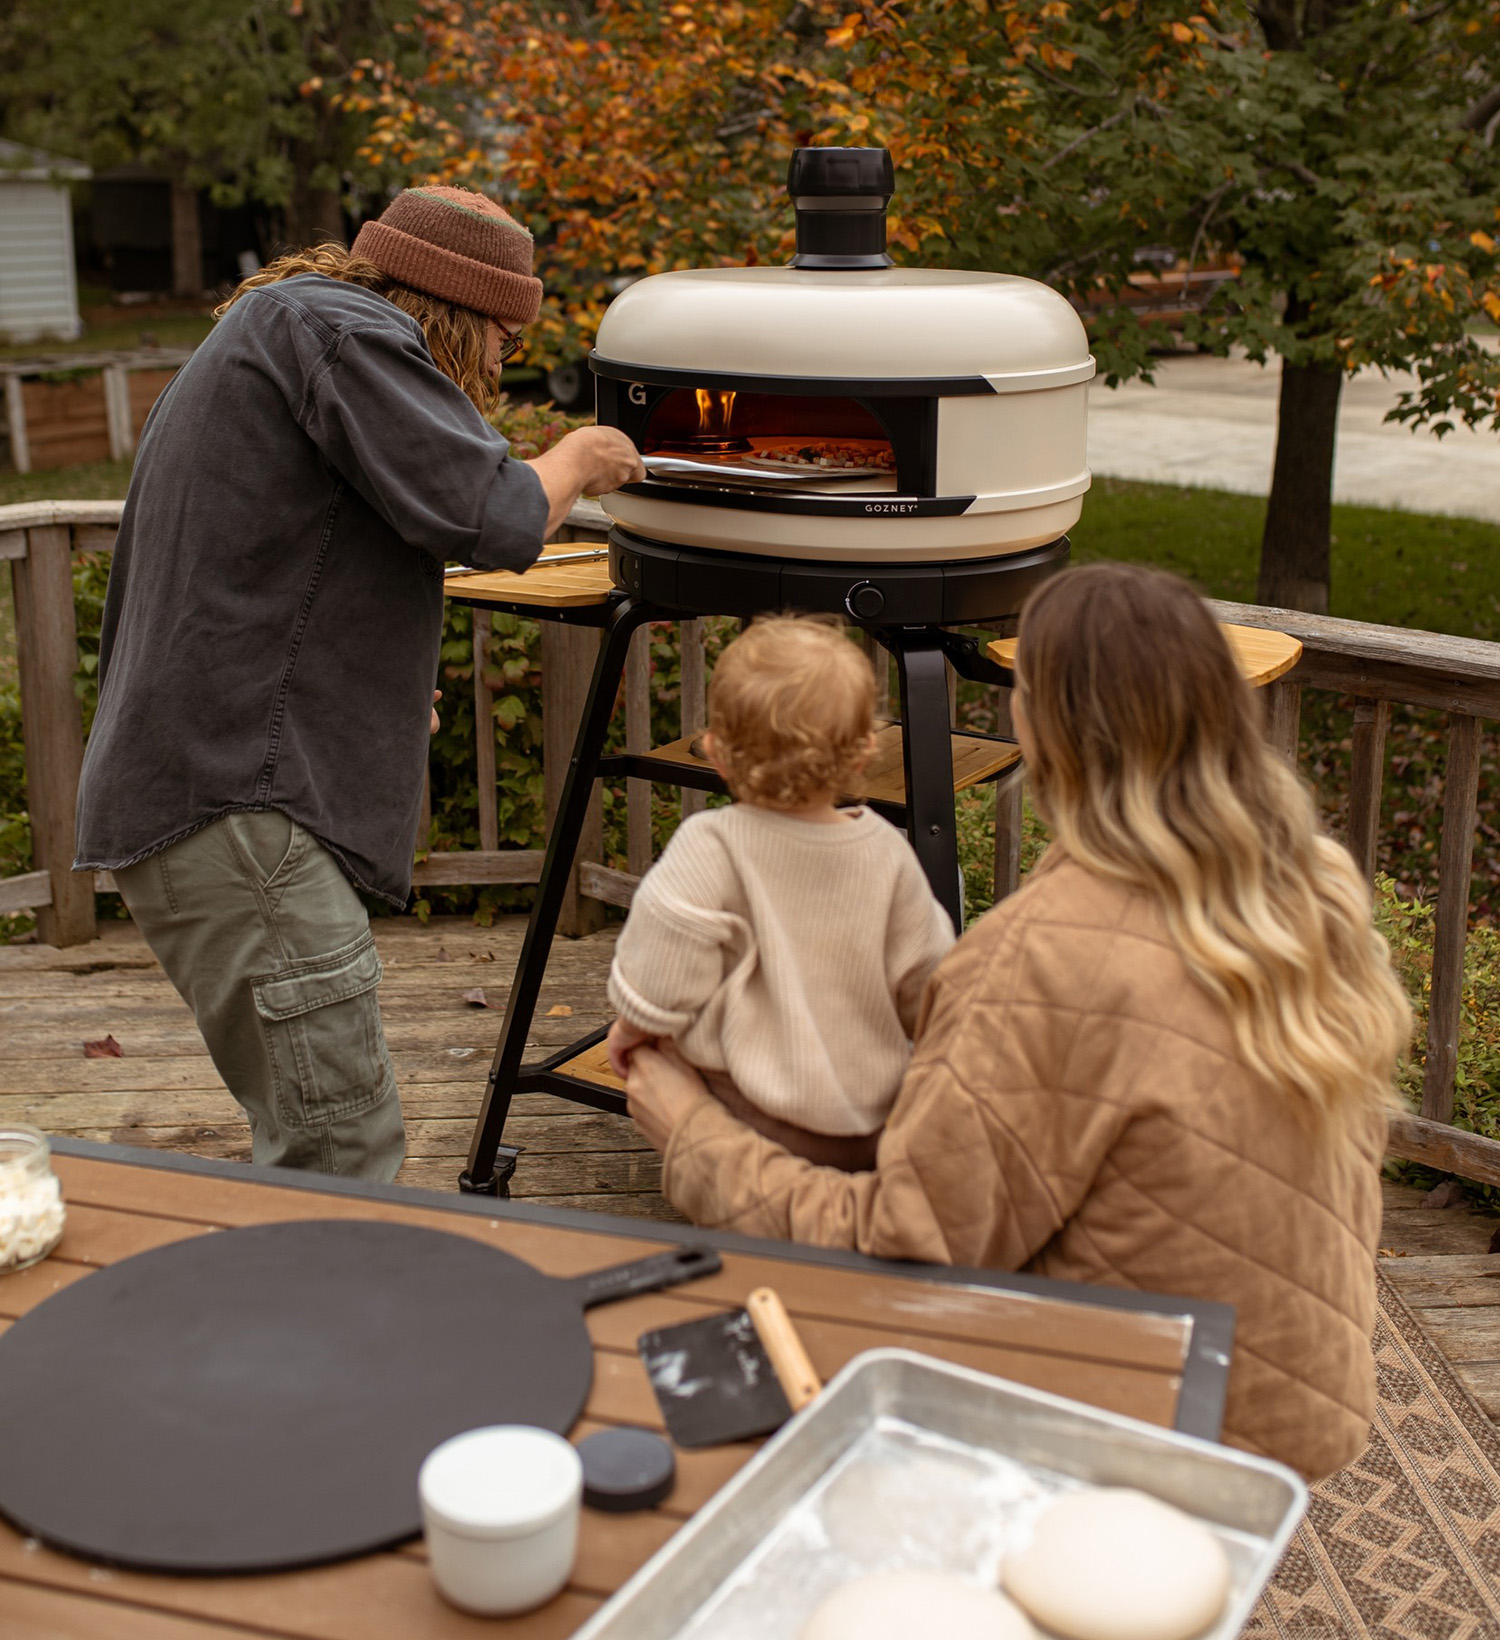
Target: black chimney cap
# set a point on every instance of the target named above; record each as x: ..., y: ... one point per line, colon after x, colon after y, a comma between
x: 815, y: 172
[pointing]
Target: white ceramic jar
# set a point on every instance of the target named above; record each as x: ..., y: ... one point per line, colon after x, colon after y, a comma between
x: 500, y: 1508
x: 31, y: 1204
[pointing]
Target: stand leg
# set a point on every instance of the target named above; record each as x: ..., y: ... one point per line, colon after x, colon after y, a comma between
x: 562, y: 846
x: 927, y: 753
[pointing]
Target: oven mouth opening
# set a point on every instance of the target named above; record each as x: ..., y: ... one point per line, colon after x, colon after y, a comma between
x: 708, y: 435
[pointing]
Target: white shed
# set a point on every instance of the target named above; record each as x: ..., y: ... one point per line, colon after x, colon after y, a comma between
x: 38, y: 285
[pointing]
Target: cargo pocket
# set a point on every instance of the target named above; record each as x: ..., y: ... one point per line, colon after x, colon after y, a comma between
x: 322, y: 1029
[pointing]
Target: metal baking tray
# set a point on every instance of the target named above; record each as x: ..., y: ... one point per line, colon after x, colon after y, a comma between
x: 904, y: 1461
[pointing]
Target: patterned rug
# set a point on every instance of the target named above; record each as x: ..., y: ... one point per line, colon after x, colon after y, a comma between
x: 1404, y: 1544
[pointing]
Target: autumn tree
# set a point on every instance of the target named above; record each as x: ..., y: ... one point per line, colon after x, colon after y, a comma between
x: 1342, y: 151
x: 213, y: 92
x: 636, y: 136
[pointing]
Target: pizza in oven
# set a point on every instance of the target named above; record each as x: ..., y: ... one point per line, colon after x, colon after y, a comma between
x: 829, y: 455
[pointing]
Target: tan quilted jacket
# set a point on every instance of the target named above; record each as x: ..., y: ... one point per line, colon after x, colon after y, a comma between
x: 1076, y: 1107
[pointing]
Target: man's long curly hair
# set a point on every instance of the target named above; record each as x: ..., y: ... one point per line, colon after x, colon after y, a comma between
x: 457, y: 337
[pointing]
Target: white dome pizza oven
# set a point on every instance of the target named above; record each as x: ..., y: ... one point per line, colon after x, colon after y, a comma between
x: 842, y: 408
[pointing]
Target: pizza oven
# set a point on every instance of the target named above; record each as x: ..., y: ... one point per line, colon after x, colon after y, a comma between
x: 843, y: 409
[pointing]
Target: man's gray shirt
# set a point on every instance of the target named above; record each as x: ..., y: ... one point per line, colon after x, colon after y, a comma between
x: 271, y: 632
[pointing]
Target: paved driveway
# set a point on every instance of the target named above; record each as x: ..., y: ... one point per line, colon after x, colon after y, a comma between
x: 1213, y: 422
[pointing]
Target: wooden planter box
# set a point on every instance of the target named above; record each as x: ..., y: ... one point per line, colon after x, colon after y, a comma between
x: 92, y: 417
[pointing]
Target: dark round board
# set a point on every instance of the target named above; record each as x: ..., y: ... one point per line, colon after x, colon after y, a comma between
x: 263, y: 1398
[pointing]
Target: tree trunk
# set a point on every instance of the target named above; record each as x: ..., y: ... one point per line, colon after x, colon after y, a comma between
x: 312, y: 215
x: 1294, y: 550
x: 187, y: 242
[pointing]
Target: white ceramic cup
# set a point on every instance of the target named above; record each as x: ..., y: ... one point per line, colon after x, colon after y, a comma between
x: 500, y: 1507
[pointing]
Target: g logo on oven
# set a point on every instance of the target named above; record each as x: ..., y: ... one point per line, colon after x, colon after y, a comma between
x: 637, y: 394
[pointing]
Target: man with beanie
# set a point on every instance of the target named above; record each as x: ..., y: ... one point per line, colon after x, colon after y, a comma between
x: 271, y: 637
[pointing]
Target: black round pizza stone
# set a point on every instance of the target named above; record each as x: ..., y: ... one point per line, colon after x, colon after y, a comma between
x: 626, y: 1469
x: 258, y: 1399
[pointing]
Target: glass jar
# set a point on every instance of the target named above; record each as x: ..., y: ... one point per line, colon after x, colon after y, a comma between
x: 31, y: 1204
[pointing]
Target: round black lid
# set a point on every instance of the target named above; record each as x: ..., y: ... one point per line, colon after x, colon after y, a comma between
x: 625, y: 1469
x: 814, y: 172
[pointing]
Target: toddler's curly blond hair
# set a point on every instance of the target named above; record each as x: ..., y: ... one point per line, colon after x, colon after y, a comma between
x: 791, y: 706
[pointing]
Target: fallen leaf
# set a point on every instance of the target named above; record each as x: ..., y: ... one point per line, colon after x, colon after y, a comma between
x: 105, y: 1048
x: 476, y: 997
x: 442, y: 956
x: 561, y: 1011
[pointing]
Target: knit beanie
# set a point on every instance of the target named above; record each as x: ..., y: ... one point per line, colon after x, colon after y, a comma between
x: 459, y: 245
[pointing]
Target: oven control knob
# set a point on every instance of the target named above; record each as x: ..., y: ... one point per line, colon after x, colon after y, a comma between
x: 864, y: 601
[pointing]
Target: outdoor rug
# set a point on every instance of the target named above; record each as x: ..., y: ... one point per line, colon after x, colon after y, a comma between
x: 1404, y: 1544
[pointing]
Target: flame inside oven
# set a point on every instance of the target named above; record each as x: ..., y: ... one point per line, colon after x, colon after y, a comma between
x: 715, y: 411
x: 713, y: 436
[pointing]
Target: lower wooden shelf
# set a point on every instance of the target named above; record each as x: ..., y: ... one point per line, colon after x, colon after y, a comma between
x: 975, y: 760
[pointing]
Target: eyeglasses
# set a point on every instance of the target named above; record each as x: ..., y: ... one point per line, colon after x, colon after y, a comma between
x: 511, y: 346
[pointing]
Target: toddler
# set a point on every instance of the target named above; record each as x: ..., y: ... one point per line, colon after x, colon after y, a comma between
x: 783, y: 943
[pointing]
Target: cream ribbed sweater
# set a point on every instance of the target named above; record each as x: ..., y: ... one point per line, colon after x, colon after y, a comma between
x: 788, y: 954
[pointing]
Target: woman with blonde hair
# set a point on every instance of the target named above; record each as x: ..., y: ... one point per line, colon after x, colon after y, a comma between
x: 1165, y: 1063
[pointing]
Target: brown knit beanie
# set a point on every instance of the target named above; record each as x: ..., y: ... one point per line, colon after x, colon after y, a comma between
x: 459, y: 245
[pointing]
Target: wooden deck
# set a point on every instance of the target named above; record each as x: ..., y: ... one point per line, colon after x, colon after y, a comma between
x: 165, y: 1093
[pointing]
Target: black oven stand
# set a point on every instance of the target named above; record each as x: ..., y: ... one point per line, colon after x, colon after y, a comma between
x: 655, y: 584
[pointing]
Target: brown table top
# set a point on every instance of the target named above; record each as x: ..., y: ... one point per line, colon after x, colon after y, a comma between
x: 1263, y: 655
x: 573, y: 583
x: 1162, y: 1360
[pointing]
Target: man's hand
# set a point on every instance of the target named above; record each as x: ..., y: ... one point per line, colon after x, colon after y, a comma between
x: 623, y: 1039
x: 662, y: 1088
x: 590, y: 461
x: 437, y: 695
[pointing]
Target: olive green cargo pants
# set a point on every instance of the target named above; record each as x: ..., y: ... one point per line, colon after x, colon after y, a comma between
x: 269, y: 945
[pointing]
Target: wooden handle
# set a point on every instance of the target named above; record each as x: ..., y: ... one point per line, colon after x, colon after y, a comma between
x: 799, y: 1379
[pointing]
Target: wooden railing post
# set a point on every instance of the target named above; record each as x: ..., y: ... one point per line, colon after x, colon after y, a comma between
x: 638, y: 842
x: 1009, y: 792
x: 484, y: 736
x: 694, y: 700
x: 568, y: 657
x: 1367, y: 782
x: 52, y: 726
x: 1283, y: 708
x: 1451, y: 930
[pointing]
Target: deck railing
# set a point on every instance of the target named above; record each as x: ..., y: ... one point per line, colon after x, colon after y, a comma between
x: 1378, y: 666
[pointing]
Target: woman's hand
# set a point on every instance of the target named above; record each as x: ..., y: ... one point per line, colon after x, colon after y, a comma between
x: 662, y: 1088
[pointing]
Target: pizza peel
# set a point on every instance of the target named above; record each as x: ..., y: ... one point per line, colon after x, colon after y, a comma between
x: 259, y: 1399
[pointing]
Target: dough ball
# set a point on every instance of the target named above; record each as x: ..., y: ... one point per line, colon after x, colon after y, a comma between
x: 1108, y: 1563
x: 909, y: 1605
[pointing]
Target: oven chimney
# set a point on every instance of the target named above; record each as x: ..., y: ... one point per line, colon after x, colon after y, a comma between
x: 841, y: 195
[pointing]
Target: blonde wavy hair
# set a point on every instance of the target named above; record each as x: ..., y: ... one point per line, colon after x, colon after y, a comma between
x: 457, y: 337
x: 791, y: 706
x: 1150, y: 762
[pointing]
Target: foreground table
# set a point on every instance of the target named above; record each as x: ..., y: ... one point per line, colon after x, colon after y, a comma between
x: 1163, y: 1360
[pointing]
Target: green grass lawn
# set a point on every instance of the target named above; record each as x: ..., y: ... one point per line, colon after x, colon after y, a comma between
x: 127, y: 332
x: 1394, y: 568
